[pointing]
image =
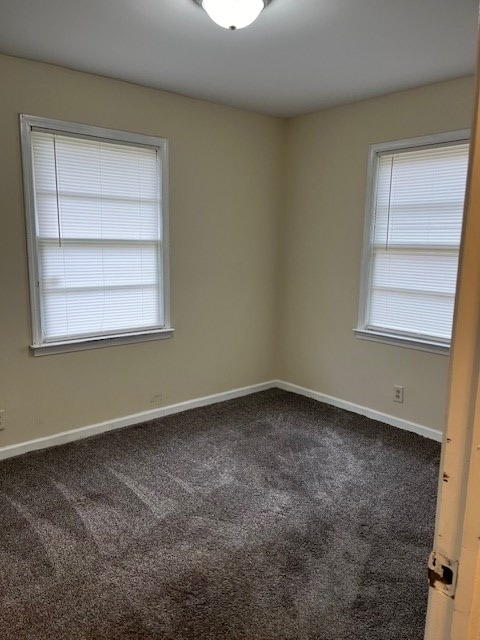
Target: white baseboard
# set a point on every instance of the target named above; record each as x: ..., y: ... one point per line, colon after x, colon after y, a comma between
x: 13, y: 450
x: 406, y: 425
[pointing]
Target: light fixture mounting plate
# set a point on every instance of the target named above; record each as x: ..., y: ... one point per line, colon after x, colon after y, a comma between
x: 199, y: 2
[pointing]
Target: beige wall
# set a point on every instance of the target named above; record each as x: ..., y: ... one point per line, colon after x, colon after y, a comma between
x: 322, y: 246
x: 266, y: 233
x: 225, y: 171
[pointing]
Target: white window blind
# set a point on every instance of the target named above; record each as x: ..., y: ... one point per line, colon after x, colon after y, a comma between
x: 98, y: 237
x: 418, y: 210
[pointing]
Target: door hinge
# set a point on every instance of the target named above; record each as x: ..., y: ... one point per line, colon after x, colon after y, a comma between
x: 442, y: 573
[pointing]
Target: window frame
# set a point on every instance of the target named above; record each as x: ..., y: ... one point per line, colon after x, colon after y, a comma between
x: 38, y: 346
x: 363, y: 330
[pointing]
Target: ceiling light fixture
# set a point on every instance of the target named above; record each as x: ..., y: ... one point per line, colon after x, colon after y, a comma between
x: 233, y: 14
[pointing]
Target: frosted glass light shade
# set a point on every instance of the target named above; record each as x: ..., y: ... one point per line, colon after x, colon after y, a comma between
x: 233, y: 14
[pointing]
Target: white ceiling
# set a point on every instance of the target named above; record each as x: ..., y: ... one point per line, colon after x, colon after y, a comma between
x: 300, y: 55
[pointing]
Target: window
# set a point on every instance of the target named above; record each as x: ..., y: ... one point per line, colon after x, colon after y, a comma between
x: 413, y: 229
x: 97, y: 234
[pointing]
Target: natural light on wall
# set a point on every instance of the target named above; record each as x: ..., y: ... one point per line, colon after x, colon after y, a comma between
x: 233, y: 14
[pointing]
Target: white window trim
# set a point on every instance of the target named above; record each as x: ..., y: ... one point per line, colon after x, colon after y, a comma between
x: 362, y: 330
x: 27, y: 123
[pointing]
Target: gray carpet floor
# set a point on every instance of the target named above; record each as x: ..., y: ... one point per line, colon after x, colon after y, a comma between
x: 270, y: 517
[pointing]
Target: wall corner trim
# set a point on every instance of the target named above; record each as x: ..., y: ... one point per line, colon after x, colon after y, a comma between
x: 72, y: 435
x: 400, y: 423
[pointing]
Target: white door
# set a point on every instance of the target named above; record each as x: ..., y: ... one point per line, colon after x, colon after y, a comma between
x: 454, y: 609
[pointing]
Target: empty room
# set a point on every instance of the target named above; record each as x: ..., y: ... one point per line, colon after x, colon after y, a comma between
x: 239, y: 330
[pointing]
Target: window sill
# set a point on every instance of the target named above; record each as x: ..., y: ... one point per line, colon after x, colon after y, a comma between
x: 402, y: 341
x: 100, y: 342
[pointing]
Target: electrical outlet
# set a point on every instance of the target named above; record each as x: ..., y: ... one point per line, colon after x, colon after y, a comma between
x: 3, y: 420
x: 156, y: 400
x: 398, y: 393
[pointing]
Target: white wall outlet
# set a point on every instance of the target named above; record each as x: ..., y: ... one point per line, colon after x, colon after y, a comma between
x: 398, y: 393
x: 3, y: 420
